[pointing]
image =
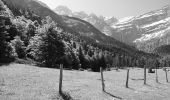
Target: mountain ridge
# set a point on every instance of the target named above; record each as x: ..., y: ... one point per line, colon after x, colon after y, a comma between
x: 100, y: 22
x: 128, y: 30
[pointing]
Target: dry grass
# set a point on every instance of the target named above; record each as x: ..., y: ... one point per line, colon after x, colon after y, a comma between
x: 23, y: 82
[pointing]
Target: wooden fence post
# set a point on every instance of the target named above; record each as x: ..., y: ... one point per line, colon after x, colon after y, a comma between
x: 166, y: 75
x: 127, y: 79
x: 102, y: 79
x: 144, y: 74
x: 61, y: 78
x: 156, y: 75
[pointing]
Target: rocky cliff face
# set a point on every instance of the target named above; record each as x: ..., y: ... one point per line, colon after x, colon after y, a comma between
x: 147, y: 31
x: 155, y: 32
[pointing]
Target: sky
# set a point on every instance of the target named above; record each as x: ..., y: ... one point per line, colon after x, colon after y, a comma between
x: 109, y: 8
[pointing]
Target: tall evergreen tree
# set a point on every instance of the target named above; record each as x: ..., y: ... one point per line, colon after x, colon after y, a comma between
x: 5, y: 49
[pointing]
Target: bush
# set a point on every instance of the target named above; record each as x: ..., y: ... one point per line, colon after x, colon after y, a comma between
x: 25, y: 61
x: 18, y: 46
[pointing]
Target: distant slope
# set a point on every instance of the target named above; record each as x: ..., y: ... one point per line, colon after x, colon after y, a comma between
x: 17, y: 6
x: 147, y: 31
x: 69, y: 24
x: 95, y: 35
x: 163, y: 50
x: 99, y: 22
x: 156, y: 34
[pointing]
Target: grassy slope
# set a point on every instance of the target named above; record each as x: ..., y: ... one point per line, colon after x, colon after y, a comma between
x: 23, y: 82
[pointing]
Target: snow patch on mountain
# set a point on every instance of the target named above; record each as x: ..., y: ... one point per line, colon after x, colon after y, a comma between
x: 125, y: 20
x: 158, y: 34
x: 164, y: 21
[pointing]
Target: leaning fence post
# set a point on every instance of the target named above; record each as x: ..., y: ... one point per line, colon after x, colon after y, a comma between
x: 127, y: 79
x: 102, y: 79
x: 144, y: 74
x: 61, y: 78
x: 166, y: 75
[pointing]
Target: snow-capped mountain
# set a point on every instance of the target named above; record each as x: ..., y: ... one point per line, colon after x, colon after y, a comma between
x: 156, y: 32
x: 100, y: 22
x: 147, y: 31
x: 134, y: 28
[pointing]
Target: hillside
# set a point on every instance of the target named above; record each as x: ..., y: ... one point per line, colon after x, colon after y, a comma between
x: 69, y: 24
x: 163, y: 50
x: 33, y: 83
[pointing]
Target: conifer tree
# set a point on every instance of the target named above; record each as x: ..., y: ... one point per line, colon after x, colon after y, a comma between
x: 5, y: 49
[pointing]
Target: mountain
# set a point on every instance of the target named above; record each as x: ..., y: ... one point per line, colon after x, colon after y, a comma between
x: 133, y: 30
x: 111, y: 20
x: 72, y: 25
x: 100, y: 22
x: 147, y: 31
x: 156, y: 33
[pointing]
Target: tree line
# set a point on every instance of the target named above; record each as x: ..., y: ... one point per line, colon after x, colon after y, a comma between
x: 24, y: 37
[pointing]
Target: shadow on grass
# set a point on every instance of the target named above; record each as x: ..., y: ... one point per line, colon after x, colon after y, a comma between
x: 112, y: 95
x: 147, y: 85
x: 131, y: 88
x: 167, y: 83
x: 140, y: 79
x: 66, y: 96
x: 61, y: 96
x: 159, y: 82
x: 4, y: 64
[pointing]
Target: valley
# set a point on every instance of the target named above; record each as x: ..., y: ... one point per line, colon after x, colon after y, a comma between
x: 19, y: 81
x: 37, y: 42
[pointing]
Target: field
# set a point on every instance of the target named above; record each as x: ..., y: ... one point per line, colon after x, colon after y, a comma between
x: 24, y: 82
